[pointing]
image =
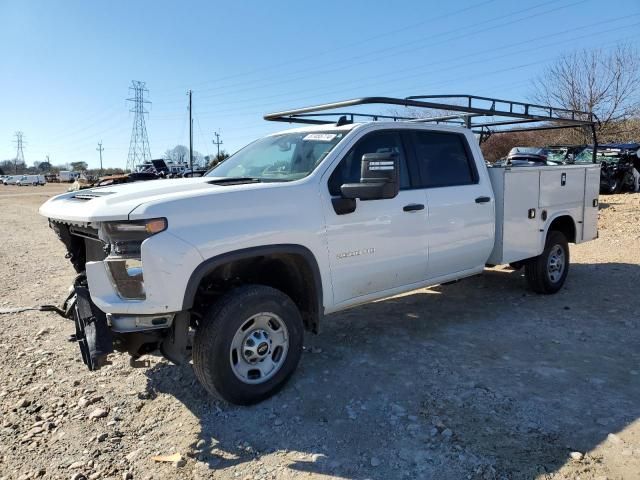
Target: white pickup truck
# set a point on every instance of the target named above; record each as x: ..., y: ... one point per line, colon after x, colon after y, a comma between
x: 230, y: 269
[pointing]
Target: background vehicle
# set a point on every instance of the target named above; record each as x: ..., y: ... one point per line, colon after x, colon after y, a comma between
x: 67, y: 176
x: 617, y: 162
x: 527, y: 155
x: 564, y: 153
x: 12, y: 179
x: 309, y: 222
x: 33, y: 180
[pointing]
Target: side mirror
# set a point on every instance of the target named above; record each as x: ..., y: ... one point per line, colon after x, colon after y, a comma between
x: 378, y: 178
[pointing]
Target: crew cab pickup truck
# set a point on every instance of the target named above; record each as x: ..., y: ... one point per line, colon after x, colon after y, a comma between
x: 230, y: 269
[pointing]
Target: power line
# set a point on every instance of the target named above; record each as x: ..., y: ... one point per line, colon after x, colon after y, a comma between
x: 374, y: 56
x: 139, y: 145
x: 431, y: 44
x: 314, y: 56
x: 402, y: 77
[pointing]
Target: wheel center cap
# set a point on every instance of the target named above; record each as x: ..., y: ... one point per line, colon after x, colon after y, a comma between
x: 262, y: 349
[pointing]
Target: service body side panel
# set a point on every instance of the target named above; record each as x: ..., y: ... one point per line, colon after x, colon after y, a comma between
x: 590, y: 216
x: 529, y: 199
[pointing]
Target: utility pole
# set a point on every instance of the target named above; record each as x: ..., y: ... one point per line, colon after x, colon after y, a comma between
x: 217, y: 143
x: 190, y: 134
x: 100, y: 149
x: 19, y: 141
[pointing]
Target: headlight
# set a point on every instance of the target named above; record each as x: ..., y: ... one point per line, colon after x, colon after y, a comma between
x: 124, y: 263
x: 135, y: 230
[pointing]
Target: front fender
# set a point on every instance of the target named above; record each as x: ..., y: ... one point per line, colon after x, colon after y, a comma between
x: 209, y: 265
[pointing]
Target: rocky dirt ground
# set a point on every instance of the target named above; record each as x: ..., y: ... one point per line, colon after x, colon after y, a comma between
x: 476, y: 380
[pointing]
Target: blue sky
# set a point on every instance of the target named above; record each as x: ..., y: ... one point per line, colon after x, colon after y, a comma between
x: 65, y: 67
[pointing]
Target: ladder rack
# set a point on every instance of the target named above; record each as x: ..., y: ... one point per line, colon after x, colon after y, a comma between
x: 485, y: 116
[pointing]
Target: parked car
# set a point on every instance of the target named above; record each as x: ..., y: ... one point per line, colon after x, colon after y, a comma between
x: 34, y: 180
x: 299, y: 224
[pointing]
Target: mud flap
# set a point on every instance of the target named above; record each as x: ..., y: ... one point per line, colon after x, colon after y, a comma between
x: 92, y: 331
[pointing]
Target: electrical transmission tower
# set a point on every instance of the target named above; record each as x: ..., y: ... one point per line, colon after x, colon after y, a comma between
x: 139, y: 144
x: 19, y: 153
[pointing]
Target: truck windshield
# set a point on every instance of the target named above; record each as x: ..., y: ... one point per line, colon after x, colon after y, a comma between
x: 280, y: 158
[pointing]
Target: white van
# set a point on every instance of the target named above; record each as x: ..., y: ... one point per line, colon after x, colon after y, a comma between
x: 12, y: 179
x: 34, y: 180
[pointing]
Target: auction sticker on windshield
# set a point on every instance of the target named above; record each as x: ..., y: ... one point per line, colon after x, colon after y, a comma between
x: 320, y: 137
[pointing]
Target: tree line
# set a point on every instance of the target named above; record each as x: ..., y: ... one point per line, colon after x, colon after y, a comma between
x: 606, y: 83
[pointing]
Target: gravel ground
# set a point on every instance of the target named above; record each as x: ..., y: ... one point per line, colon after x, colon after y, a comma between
x: 476, y: 380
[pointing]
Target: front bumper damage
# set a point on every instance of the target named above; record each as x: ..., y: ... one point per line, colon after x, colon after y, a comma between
x: 92, y: 331
x: 98, y: 333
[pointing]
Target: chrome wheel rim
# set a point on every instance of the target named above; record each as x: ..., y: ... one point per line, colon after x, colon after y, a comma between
x: 556, y: 263
x: 259, y: 348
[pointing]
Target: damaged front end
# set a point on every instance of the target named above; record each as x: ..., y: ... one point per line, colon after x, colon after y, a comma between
x: 118, y: 246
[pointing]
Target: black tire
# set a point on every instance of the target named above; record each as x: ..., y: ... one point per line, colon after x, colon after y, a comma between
x: 212, y: 354
x: 615, y: 187
x: 537, y: 270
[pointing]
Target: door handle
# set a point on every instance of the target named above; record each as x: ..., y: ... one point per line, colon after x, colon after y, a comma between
x: 483, y: 199
x: 412, y: 207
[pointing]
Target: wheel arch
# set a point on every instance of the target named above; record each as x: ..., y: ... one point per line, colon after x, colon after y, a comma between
x: 563, y: 222
x: 291, y: 268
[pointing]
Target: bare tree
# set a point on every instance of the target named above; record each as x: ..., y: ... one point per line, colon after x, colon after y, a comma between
x: 597, y: 81
x: 216, y: 159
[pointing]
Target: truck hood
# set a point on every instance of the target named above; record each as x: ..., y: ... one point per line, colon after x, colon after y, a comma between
x: 116, y: 202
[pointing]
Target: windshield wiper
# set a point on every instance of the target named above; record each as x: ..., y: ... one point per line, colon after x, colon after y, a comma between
x: 234, y: 180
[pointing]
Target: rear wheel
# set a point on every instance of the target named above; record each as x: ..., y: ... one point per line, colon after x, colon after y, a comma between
x: 547, y: 272
x: 248, y: 345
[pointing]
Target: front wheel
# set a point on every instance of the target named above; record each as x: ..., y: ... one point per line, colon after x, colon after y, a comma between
x: 547, y: 272
x: 248, y: 344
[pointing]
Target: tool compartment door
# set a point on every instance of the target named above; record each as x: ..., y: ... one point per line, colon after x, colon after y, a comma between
x: 521, y: 228
x: 591, y: 191
x: 560, y: 186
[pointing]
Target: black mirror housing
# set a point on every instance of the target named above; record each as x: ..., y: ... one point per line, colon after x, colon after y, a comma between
x: 378, y: 178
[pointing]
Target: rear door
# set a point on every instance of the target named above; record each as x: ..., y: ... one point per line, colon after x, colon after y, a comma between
x: 381, y: 245
x: 460, y: 202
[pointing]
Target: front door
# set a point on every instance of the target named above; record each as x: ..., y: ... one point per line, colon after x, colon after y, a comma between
x: 382, y: 244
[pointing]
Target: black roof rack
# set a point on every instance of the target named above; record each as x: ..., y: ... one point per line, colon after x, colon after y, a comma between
x: 471, y: 108
x: 483, y: 115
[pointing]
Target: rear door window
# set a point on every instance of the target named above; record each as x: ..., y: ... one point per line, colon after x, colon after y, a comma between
x: 443, y: 159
